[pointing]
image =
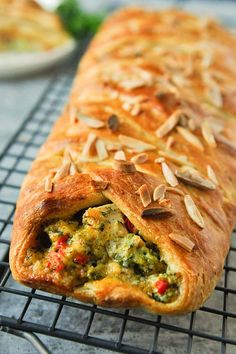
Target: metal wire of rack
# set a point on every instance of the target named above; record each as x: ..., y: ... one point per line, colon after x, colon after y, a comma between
x: 210, y: 330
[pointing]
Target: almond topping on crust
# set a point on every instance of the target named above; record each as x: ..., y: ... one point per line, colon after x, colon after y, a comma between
x: 125, y: 166
x: 165, y: 203
x: 212, y: 176
x: 192, y: 177
x: 159, y: 160
x: 156, y: 213
x: 48, y: 184
x: 136, y: 144
x: 169, y: 124
x: 101, y: 149
x: 140, y: 158
x: 136, y: 110
x: 120, y: 155
x: 63, y: 171
x: 172, y: 156
x: 144, y: 195
x: 208, y: 134
x: 99, y: 184
x: 91, y: 122
x: 73, y: 169
x: 227, y: 144
x: 159, y: 192
x: 182, y: 241
x: 113, y: 123
x: 169, y: 142
x: 174, y: 190
x: 114, y: 147
x: 88, y: 144
x: 169, y: 175
x: 190, y: 138
x: 193, y: 211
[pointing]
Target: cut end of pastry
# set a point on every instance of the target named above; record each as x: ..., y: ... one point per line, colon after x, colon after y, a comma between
x: 101, y: 244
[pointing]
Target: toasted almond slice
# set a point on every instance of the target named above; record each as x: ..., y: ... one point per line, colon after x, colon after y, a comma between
x: 215, y: 96
x: 114, y: 147
x: 49, y: 184
x: 174, y: 190
x: 99, y: 184
x: 120, y: 155
x: 227, y: 144
x: 125, y: 166
x: 212, y: 176
x: 182, y: 241
x: 156, y: 213
x: 159, y: 160
x: 193, y: 178
x: 169, y: 124
x: 140, y: 158
x: 101, y: 149
x: 144, y: 195
x: 172, y: 156
x: 193, y: 211
x: 135, y: 144
x: 63, y: 171
x: 89, y: 142
x: 73, y: 169
x: 190, y: 138
x: 136, y: 110
x: 126, y: 106
x: 113, y: 123
x: 91, y: 122
x: 169, y: 175
x: 208, y: 134
x: 169, y: 142
x: 133, y: 99
x: 159, y: 192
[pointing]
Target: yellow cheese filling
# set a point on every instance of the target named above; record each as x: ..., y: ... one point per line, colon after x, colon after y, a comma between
x: 99, y: 243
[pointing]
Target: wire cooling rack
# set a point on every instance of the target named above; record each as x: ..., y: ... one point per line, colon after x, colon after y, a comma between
x: 211, y: 329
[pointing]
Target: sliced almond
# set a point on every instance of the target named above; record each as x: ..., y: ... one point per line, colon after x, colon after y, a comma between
x: 48, y: 184
x: 114, y: 147
x: 91, y: 122
x: 125, y: 166
x: 169, y: 175
x: 207, y: 134
x: 169, y: 142
x: 156, y: 213
x: 136, y: 110
x: 88, y: 144
x: 182, y: 241
x: 99, y: 184
x: 212, y: 176
x: 190, y: 138
x: 145, y: 196
x: 101, y: 149
x: 159, y: 192
x: 113, y: 123
x: 73, y: 169
x: 193, y: 178
x: 140, y: 158
x: 169, y: 124
x: 159, y: 160
x: 193, y: 211
x: 172, y: 156
x: 227, y: 144
x: 191, y: 124
x: 126, y: 106
x: 120, y: 155
x: 215, y: 96
x: 135, y: 144
x: 174, y: 190
x: 63, y: 171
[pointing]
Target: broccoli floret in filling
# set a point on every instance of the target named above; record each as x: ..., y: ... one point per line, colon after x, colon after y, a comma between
x: 99, y: 245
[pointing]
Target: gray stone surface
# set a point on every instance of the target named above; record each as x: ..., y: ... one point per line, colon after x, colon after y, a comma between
x: 17, y: 97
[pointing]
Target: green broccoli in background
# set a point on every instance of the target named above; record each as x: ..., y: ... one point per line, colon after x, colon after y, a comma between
x: 76, y: 21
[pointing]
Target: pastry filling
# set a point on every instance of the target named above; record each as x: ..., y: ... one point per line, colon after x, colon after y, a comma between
x: 101, y: 243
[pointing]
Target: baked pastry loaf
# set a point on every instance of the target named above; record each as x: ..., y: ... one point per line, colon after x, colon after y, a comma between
x: 132, y: 200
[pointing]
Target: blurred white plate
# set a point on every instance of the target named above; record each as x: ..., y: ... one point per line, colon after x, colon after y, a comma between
x: 14, y: 64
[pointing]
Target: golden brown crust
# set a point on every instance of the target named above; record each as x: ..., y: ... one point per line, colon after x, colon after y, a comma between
x: 124, y: 62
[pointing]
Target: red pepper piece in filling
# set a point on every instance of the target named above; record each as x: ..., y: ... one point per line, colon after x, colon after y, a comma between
x: 62, y: 241
x: 81, y: 259
x: 129, y: 226
x: 161, y: 286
